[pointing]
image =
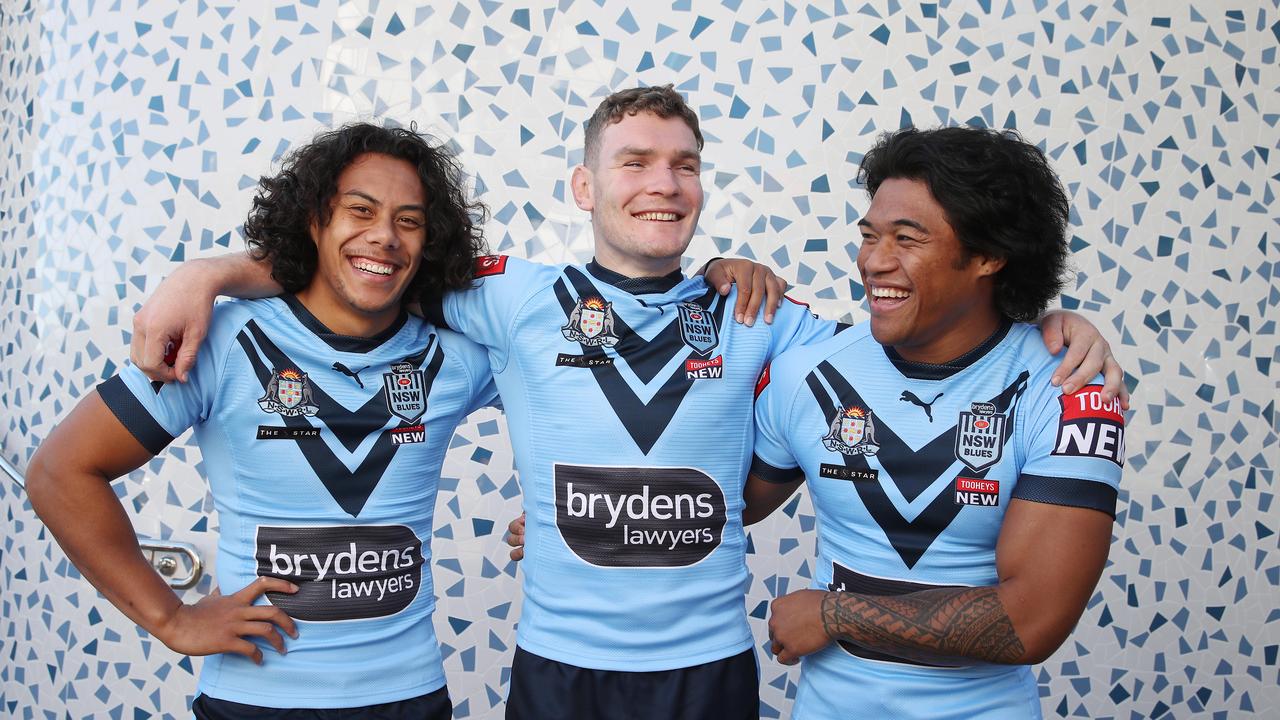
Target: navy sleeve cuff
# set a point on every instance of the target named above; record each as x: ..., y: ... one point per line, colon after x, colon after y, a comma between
x: 1067, y: 491
x: 769, y: 473
x: 434, y: 311
x: 133, y: 415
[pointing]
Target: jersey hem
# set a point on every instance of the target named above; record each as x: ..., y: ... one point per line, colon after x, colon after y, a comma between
x: 324, y: 702
x: 633, y: 664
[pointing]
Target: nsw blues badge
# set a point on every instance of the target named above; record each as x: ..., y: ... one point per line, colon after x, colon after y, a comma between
x: 698, y: 328
x: 980, y: 436
x: 406, y: 392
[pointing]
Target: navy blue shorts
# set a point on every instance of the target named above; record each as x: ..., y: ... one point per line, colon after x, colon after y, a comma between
x: 543, y: 689
x: 432, y: 706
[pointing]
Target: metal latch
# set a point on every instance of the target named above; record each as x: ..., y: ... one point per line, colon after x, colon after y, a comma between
x: 177, y: 562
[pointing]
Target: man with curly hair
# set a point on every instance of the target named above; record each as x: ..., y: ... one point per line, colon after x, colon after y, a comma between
x: 964, y: 503
x: 323, y: 415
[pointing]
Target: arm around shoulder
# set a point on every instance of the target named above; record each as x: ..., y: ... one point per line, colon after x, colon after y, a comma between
x: 171, y: 324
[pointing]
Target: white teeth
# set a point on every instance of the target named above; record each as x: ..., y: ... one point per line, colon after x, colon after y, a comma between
x: 372, y: 267
x: 662, y: 216
x: 884, y: 292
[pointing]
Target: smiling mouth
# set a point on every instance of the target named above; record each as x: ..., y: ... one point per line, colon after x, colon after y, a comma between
x: 657, y: 216
x: 886, y: 293
x: 371, y: 267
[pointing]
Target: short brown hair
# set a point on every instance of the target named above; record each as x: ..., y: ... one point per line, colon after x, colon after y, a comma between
x: 660, y: 100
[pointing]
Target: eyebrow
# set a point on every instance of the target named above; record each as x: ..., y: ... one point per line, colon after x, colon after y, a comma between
x: 648, y: 152
x: 375, y: 201
x: 862, y: 222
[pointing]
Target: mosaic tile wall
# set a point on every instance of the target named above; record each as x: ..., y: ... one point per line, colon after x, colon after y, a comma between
x: 132, y: 131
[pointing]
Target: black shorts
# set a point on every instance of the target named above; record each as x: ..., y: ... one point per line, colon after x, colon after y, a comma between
x: 432, y: 706
x: 543, y: 689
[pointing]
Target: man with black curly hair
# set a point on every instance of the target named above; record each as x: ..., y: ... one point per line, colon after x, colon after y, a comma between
x: 323, y: 415
x: 958, y: 539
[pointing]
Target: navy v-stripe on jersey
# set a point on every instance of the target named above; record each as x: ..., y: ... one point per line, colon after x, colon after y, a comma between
x: 911, y: 468
x: 323, y: 456
x: 629, y: 407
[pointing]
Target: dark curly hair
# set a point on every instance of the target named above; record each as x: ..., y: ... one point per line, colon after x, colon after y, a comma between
x: 661, y: 100
x: 1000, y: 196
x: 278, y: 227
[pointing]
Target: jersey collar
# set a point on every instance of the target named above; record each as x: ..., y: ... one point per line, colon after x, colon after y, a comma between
x: 942, y: 371
x: 341, y: 343
x: 635, y: 286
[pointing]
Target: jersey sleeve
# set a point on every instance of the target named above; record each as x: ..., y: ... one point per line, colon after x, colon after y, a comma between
x: 475, y: 362
x: 486, y: 312
x: 795, y: 325
x: 1074, y: 449
x: 773, y: 460
x: 157, y: 413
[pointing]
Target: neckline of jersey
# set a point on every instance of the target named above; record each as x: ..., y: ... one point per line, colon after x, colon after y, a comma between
x: 942, y: 371
x: 341, y: 343
x: 637, y: 285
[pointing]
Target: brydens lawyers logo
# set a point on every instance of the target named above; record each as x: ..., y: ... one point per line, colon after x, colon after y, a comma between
x: 852, y: 432
x: 591, y: 323
x: 289, y: 394
x: 638, y: 517
x: 347, y: 572
x: 980, y: 436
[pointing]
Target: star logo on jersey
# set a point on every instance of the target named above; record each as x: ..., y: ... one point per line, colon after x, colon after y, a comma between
x: 406, y: 392
x: 289, y: 394
x: 980, y: 436
x: 697, y: 328
x: 591, y: 323
x: 852, y: 432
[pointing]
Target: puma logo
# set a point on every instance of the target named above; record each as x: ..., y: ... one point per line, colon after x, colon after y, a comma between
x: 353, y: 374
x: 908, y: 396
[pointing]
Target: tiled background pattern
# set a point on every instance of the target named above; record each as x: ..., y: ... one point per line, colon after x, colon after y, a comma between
x: 131, y: 132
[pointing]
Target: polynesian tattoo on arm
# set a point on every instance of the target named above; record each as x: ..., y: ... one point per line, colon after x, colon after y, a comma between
x: 964, y: 624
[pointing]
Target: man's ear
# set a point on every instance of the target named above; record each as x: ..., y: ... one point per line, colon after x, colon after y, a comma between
x: 581, y: 182
x: 988, y: 266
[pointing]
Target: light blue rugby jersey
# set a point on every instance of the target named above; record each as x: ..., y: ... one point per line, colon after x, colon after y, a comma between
x: 325, y: 478
x: 911, y: 468
x: 629, y: 407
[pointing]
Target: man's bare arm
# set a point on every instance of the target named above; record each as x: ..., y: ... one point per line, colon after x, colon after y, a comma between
x: 1048, y: 558
x: 761, y: 497
x: 171, y: 324
x: 68, y: 483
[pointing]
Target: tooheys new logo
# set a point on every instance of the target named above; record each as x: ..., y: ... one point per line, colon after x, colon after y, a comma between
x: 638, y: 517
x: 348, y: 572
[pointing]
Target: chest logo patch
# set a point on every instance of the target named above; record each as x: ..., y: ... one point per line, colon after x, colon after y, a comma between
x: 639, y: 517
x: 289, y: 394
x: 980, y: 436
x: 406, y: 392
x: 852, y: 432
x: 347, y: 572
x: 698, y: 328
x: 591, y: 323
